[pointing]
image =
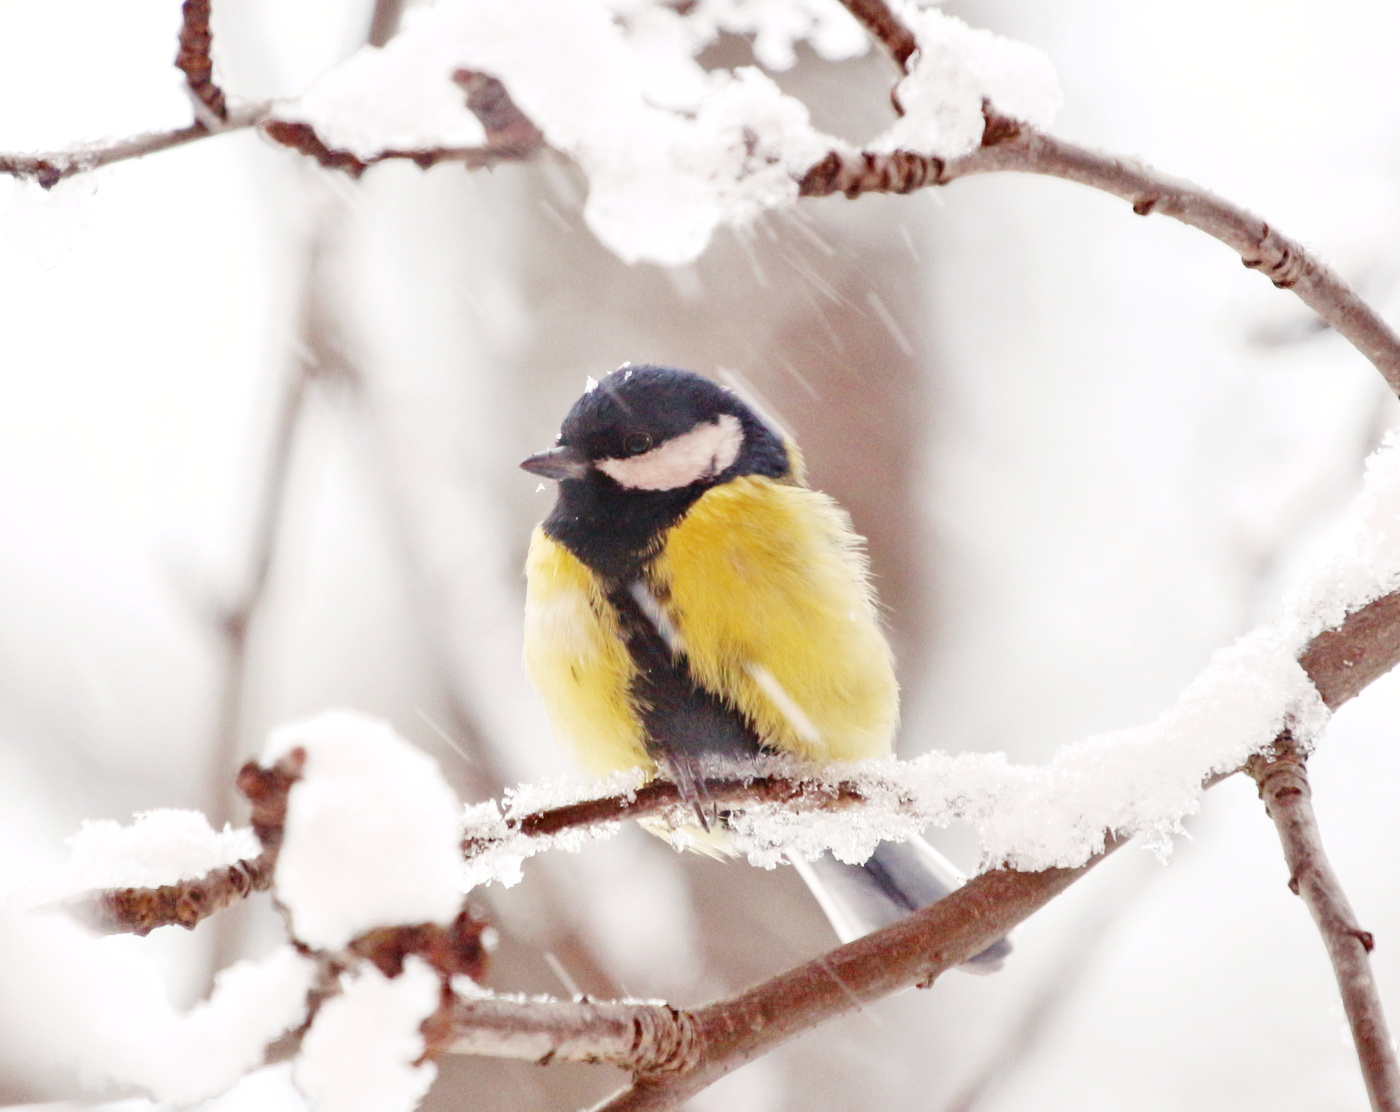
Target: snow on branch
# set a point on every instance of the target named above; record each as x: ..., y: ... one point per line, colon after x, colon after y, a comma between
x: 673, y: 151
x: 1338, y: 631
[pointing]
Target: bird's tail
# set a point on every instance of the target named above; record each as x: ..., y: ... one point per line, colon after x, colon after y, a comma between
x: 899, y: 878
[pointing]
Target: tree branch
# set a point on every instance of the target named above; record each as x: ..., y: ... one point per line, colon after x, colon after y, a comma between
x: 1008, y: 145
x: 510, y: 136
x: 1283, y: 785
x: 1340, y: 662
x: 384, y: 21
x: 195, y: 62
x: 914, y: 951
x: 661, y: 795
x: 885, y: 28
x: 641, y: 1037
x: 50, y: 168
x: 187, y: 903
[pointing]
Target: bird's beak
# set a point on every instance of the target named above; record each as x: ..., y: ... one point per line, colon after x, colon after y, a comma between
x: 558, y: 464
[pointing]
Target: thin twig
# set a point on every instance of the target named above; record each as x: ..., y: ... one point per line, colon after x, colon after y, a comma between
x: 51, y: 167
x: 384, y: 21
x: 1283, y: 785
x: 1011, y: 146
x: 195, y: 61
x: 885, y: 28
x: 661, y: 795
x: 186, y: 904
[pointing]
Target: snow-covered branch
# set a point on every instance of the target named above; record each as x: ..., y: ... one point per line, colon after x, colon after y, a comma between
x: 470, y: 83
x: 1338, y: 662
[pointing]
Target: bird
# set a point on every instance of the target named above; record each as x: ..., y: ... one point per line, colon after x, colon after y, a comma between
x: 691, y: 602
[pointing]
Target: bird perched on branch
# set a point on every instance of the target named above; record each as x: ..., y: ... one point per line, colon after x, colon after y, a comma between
x: 690, y: 601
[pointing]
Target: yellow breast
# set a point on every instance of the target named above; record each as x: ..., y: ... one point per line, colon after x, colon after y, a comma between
x: 578, y: 660
x: 766, y: 586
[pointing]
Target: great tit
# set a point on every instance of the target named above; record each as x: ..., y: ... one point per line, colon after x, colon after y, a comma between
x: 691, y: 601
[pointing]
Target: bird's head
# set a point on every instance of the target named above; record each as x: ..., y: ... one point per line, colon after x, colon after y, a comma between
x: 647, y: 428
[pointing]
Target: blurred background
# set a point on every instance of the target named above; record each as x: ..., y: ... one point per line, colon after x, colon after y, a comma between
x: 259, y: 428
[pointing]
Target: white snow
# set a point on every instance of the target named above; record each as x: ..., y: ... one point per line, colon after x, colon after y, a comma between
x: 97, y: 1008
x: 265, y: 1090
x: 1367, y: 561
x: 671, y: 151
x: 955, y: 69
x: 371, y: 834
x: 206, y: 1051
x: 500, y: 863
x: 158, y: 848
x: 778, y: 25
x: 660, y: 180
x: 360, y: 1052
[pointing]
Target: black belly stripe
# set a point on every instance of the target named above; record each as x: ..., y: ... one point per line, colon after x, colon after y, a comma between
x: 686, y: 725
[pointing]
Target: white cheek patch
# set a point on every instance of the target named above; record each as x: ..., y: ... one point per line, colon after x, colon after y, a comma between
x: 704, y: 451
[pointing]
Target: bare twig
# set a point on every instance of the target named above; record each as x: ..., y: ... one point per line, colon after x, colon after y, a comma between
x: 186, y: 904
x: 384, y: 21
x: 1283, y: 785
x: 302, y: 138
x: 50, y: 168
x: 1011, y: 146
x: 195, y: 62
x: 641, y: 1037
x: 885, y: 28
x: 676, y: 1053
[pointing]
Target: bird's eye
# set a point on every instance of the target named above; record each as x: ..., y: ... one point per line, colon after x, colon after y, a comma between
x: 636, y: 443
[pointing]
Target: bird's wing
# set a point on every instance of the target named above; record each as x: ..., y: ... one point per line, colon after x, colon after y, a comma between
x: 765, y: 585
